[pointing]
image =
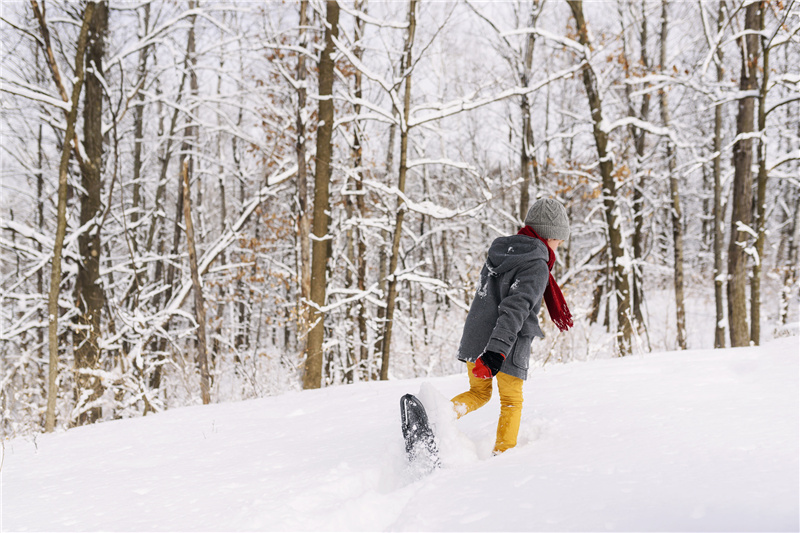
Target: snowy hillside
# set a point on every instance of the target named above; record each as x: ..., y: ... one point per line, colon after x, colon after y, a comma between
x: 701, y: 440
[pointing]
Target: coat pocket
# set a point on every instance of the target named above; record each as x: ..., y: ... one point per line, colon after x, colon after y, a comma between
x: 521, y: 354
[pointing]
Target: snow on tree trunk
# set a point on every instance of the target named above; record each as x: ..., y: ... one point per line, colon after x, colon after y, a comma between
x: 61, y: 217
x: 401, y: 187
x: 613, y: 221
x: 88, y: 290
x: 761, y: 189
x: 320, y: 248
x: 199, y: 301
x: 741, y: 216
x: 675, y: 204
x: 719, y: 214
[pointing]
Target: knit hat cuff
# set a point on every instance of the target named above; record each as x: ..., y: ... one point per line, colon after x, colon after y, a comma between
x: 548, y: 231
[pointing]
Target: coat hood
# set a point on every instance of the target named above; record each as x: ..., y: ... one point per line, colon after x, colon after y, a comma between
x: 507, y: 253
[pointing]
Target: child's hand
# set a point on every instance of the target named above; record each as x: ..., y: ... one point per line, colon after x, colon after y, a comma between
x: 488, y: 365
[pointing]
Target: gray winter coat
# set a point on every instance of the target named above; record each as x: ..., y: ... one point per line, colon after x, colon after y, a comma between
x: 503, y: 315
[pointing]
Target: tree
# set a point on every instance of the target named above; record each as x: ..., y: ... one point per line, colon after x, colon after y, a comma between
x: 741, y: 215
x: 621, y: 286
x: 231, y: 91
x: 719, y: 237
x: 358, y: 163
x: 767, y: 43
x: 89, y: 294
x: 761, y: 186
x: 138, y: 124
x: 199, y: 301
x: 320, y: 250
x: 61, y: 228
x: 521, y: 62
x: 639, y: 136
x: 303, y: 218
x: 405, y: 68
x: 675, y: 204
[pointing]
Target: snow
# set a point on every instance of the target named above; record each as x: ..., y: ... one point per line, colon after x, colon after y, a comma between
x: 679, y: 441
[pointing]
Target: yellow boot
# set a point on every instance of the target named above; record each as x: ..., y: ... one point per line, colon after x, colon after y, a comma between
x: 510, y: 388
x: 480, y: 392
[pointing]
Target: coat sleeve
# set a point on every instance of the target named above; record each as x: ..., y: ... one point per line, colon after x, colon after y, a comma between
x: 525, y: 292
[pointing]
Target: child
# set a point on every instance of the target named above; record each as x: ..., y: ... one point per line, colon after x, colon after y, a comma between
x: 502, y: 320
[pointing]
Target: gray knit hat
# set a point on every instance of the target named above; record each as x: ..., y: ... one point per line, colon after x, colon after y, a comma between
x: 549, y: 219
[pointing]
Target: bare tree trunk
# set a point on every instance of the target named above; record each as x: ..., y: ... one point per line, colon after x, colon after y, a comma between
x: 719, y: 327
x: 187, y: 147
x: 382, y: 255
x: 312, y: 375
x: 677, y: 222
x: 190, y: 66
x: 761, y: 192
x: 790, y: 272
x: 157, y: 222
x: 199, y: 301
x: 40, y: 226
x: 88, y: 291
x: 361, y: 206
x: 401, y: 186
x: 527, y: 154
x: 639, y: 137
x: 350, y: 359
x: 216, y: 344
x: 742, y: 185
x: 358, y: 247
x: 621, y: 286
x: 303, y: 218
x: 55, y: 71
x: 138, y: 125
x: 61, y: 219
x: 132, y: 296
x: 165, y: 158
x: 597, y: 297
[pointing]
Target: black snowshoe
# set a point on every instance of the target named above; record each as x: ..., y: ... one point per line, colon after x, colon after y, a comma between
x: 420, y: 443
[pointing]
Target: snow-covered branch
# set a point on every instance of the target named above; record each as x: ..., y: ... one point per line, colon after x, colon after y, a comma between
x: 461, y: 105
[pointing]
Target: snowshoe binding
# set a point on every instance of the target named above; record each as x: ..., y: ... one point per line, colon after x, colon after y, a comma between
x: 421, y: 447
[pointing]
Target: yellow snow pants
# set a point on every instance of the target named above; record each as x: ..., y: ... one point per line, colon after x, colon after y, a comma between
x: 479, y: 393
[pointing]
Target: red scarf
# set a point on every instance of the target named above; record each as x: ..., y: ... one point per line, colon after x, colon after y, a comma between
x: 556, y: 305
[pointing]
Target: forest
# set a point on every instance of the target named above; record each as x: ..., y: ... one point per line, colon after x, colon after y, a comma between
x: 205, y: 201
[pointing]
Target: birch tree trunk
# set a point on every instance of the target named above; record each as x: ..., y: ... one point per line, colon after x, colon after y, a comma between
x: 621, y: 285
x: 61, y: 217
x: 312, y: 375
x: 677, y: 227
x: 401, y: 186
x: 199, y: 301
x: 741, y: 215
x: 88, y: 290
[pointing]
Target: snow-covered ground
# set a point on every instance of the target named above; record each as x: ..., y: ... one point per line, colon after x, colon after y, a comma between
x: 702, y: 440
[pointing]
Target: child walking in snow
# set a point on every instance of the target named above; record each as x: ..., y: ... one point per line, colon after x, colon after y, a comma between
x: 502, y: 319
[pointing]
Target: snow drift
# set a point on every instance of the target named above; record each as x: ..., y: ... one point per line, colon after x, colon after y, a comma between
x: 699, y: 440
